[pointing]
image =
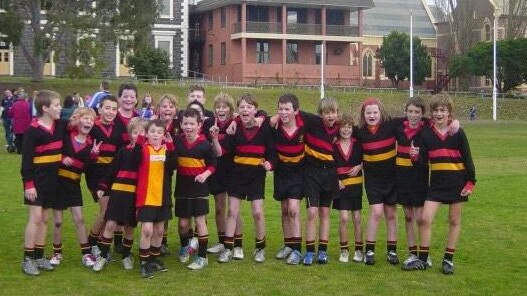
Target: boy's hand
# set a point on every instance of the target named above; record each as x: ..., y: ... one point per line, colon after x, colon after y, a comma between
x: 355, y: 170
x: 96, y: 148
x: 214, y: 130
x: 453, y: 127
x: 273, y: 121
x: 67, y: 161
x: 231, y: 130
x: 267, y: 166
x: 167, y: 138
x: 30, y: 194
x: 201, y: 178
x: 341, y: 185
x: 259, y: 120
x: 100, y: 193
x: 466, y: 192
x: 414, y: 151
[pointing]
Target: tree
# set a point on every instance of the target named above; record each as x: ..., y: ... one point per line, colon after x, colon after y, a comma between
x: 151, y: 63
x: 394, y: 55
x: 460, y: 66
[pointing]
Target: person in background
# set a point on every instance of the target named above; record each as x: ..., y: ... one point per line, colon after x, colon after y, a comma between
x: 7, y: 103
x: 20, y: 115
x: 68, y: 107
x: 97, y: 97
x: 147, y: 111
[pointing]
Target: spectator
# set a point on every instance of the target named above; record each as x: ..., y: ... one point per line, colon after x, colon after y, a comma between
x: 96, y: 98
x: 20, y: 114
x: 472, y: 113
x: 67, y: 108
x: 7, y: 103
x: 146, y: 107
x: 78, y: 100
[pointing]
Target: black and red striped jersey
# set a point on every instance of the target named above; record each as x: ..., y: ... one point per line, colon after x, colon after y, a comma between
x: 122, y: 123
x: 289, y: 147
x: 193, y: 159
x: 111, y: 137
x: 41, y: 153
x: 79, y: 153
x: 345, y: 161
x: 173, y: 128
x: 121, y: 178
x: 319, y: 140
x: 224, y: 162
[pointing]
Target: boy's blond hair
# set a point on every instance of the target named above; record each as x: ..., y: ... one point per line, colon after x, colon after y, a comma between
x: 44, y: 98
x: 328, y: 104
x: 249, y: 99
x: 346, y: 119
x: 78, y: 113
x: 224, y: 98
x: 441, y: 100
x: 135, y: 123
x: 370, y: 102
x: 170, y: 97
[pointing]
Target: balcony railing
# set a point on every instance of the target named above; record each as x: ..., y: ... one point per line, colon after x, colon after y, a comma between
x: 304, y: 29
x: 300, y: 29
x: 337, y: 30
x: 258, y: 27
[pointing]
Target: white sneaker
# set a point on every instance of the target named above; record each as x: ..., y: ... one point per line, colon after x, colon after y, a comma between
x: 95, y: 251
x: 237, y: 253
x: 217, y: 248
x: 344, y: 256
x: 194, y: 243
x: 88, y: 260
x: 259, y: 255
x: 429, y: 261
x: 410, y: 258
x: 358, y: 256
x: 55, y: 260
x: 199, y: 263
x: 99, y: 264
x: 225, y: 256
x: 283, y: 253
x: 128, y: 263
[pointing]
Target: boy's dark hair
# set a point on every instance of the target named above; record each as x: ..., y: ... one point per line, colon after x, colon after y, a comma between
x: 105, y: 85
x: 44, y: 98
x: 156, y: 123
x: 108, y: 98
x: 196, y: 87
x: 249, y: 99
x: 198, y: 104
x: 124, y: 86
x: 192, y: 113
x: 289, y: 98
x: 416, y: 101
x: 68, y: 102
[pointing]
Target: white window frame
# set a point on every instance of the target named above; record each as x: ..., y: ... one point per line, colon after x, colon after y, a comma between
x: 170, y: 39
x: 366, y: 52
x: 171, y: 8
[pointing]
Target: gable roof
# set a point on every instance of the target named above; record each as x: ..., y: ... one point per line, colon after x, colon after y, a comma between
x: 207, y: 5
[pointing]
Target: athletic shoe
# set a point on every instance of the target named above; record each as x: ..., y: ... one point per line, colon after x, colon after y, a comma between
x: 146, y: 270
x: 392, y: 257
x: 87, y: 260
x: 194, y: 243
x: 429, y: 261
x: 164, y: 251
x: 308, y: 258
x: 283, y: 253
x: 99, y: 264
x: 55, y: 260
x: 344, y: 256
x: 358, y: 256
x: 184, y: 254
x: 216, y: 249
x: 128, y: 262
x: 369, y: 259
x: 294, y: 258
x: 448, y: 266
x: 157, y: 265
x: 29, y: 266
x: 322, y: 257
x: 259, y: 255
x: 43, y: 264
x: 410, y: 258
x: 415, y: 264
x: 95, y: 251
x: 199, y: 263
x: 225, y: 256
x: 237, y: 253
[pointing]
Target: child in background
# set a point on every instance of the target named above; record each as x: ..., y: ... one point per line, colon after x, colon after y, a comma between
x: 452, y: 180
x: 120, y: 185
x: 195, y: 163
x: 347, y: 153
x: 78, y: 150
x: 41, y: 157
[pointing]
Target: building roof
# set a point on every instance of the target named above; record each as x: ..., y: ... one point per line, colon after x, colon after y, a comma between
x: 207, y: 5
x: 394, y: 15
x: 437, y: 15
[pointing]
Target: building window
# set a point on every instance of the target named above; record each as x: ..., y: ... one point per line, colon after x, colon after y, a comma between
x: 367, y: 64
x: 210, y: 20
x: 262, y: 52
x: 6, y: 57
x: 165, y: 43
x: 334, y: 17
x: 487, y: 34
x: 292, y: 53
x: 211, y: 55
x: 223, y: 17
x: 165, y: 9
x: 223, y: 53
x: 257, y: 13
x: 318, y: 53
x: 296, y: 15
x: 279, y: 14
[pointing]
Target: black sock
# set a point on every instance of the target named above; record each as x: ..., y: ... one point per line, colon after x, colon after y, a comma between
x: 260, y: 243
x: 127, y: 247
x: 221, y: 237
x: 183, y: 238
x: 322, y: 245
x: 85, y: 249
x: 297, y: 245
x: 155, y: 252
x: 413, y: 250
x: 117, y: 239
x: 57, y: 248
x: 229, y: 242
x: 310, y: 246
x: 238, y: 239
x: 203, y: 241
x: 164, y: 241
x: 29, y: 252
x: 370, y: 246
x: 344, y: 246
x: 423, y: 253
x: 144, y: 255
x: 391, y: 246
x: 449, y: 254
x: 39, y: 251
x: 104, y: 246
x: 92, y: 239
x: 359, y: 246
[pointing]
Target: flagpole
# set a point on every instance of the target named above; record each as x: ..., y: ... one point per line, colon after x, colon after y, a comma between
x: 411, y: 54
x: 322, y: 71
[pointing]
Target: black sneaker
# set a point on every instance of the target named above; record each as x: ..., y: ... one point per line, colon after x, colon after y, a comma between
x: 392, y: 257
x: 157, y: 265
x: 448, y: 267
x: 146, y: 270
x: 369, y: 259
x: 415, y: 264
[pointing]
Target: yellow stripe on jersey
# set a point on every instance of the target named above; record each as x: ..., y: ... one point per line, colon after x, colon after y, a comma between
x: 248, y: 160
x: 288, y: 159
x: 352, y: 181
x: 380, y: 157
x: 446, y: 166
x: 155, y: 178
x: 123, y: 187
x: 47, y: 159
x: 318, y: 155
x: 69, y: 174
x: 189, y: 162
x: 400, y: 161
x: 104, y: 159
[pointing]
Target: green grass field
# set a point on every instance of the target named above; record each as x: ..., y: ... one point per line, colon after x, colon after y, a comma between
x: 490, y: 258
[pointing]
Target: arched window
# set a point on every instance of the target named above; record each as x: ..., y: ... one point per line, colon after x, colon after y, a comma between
x: 367, y: 64
x: 487, y: 34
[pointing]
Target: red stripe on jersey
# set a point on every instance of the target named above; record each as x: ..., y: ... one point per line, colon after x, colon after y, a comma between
x: 291, y: 149
x: 49, y: 146
x: 77, y: 164
x: 127, y: 174
x: 255, y: 149
x: 190, y: 171
x: 343, y: 170
x: 108, y: 147
x: 453, y: 153
x: 403, y: 149
x: 312, y: 140
x: 379, y: 144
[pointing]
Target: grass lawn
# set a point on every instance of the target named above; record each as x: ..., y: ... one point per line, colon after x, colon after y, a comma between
x: 490, y: 259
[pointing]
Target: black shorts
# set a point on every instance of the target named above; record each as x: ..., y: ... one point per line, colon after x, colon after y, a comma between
x: 288, y: 184
x: 451, y: 196
x: 69, y: 195
x: 153, y: 214
x: 415, y: 200
x: 350, y: 199
x: 191, y: 207
x: 248, y: 190
x: 412, y: 186
x: 381, y: 191
x: 121, y: 209
x: 93, y: 175
x: 320, y: 185
x: 218, y: 183
x: 45, y: 197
